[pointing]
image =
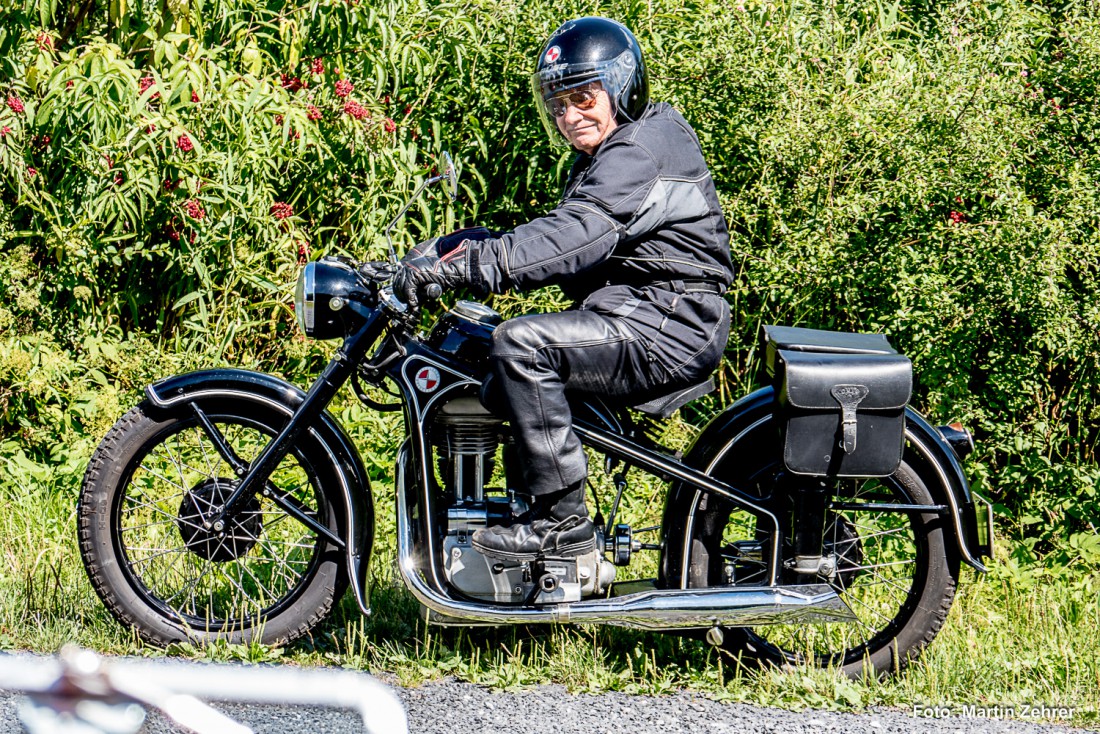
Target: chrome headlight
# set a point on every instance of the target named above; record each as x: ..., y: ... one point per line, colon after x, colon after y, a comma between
x: 325, y: 299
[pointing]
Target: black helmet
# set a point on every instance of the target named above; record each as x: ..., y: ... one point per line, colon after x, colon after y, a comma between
x: 592, y: 49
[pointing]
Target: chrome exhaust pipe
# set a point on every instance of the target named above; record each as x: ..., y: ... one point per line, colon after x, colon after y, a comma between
x: 655, y: 609
x: 660, y: 609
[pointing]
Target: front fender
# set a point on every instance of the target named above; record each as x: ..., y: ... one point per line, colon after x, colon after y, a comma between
x: 355, y: 506
x: 755, y: 412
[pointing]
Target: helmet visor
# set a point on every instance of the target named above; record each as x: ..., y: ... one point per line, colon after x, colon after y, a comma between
x: 557, y: 87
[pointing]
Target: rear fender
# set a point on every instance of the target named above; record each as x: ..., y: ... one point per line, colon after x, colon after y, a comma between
x: 355, y: 507
x: 756, y: 412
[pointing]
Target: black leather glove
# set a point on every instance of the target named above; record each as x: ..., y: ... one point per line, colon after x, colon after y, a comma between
x: 424, y: 266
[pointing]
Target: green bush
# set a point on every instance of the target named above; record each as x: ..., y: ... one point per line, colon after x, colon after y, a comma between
x: 926, y: 170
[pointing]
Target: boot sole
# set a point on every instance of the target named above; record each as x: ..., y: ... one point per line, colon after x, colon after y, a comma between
x: 570, y: 551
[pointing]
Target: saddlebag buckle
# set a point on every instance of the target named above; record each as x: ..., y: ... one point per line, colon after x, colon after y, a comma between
x: 849, y: 397
x: 842, y: 398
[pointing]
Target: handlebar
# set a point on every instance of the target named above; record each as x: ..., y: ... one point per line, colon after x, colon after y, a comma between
x: 57, y: 685
x: 383, y: 272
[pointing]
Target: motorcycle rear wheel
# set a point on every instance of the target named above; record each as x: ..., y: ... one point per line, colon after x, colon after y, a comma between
x: 897, y: 571
x: 149, y: 487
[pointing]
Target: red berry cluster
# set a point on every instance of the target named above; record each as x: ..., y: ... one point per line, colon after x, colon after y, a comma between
x: 194, y: 209
x: 292, y: 83
x: 195, y: 97
x: 15, y: 104
x: 343, y: 88
x: 184, y: 143
x: 31, y: 172
x: 44, y: 42
x: 356, y: 110
x: 144, y: 83
x: 282, y: 210
x: 4, y: 131
x: 317, y: 67
x: 303, y: 253
x: 312, y: 113
x: 957, y: 217
x: 390, y: 125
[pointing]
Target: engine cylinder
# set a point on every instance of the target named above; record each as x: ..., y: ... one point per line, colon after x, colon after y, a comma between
x: 465, y: 437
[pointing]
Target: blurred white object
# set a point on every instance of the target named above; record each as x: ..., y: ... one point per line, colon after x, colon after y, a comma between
x: 79, y: 692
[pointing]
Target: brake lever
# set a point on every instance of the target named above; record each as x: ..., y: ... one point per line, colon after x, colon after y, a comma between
x: 378, y: 271
x: 387, y: 296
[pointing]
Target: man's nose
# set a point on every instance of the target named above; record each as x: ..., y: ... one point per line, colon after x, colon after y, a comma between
x: 572, y: 114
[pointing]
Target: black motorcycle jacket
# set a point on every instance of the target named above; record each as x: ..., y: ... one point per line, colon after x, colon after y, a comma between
x: 642, y: 210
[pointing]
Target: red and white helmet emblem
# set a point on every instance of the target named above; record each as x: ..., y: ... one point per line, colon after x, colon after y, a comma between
x: 427, y: 379
x: 553, y: 54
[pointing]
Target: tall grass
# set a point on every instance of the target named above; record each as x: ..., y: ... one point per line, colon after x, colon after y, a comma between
x: 1009, y: 640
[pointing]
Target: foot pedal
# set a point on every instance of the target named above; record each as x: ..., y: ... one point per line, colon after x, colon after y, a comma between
x: 555, y: 581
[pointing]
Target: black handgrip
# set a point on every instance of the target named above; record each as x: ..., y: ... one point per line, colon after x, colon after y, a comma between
x: 433, y: 291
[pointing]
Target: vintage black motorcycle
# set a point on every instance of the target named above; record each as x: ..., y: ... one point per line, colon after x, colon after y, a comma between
x: 818, y: 519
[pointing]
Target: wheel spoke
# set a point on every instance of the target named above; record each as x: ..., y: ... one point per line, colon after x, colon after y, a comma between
x: 189, y: 588
x: 154, y: 523
x: 159, y: 554
x: 877, y: 557
x: 877, y: 565
x: 158, y: 475
x: 226, y: 581
x: 174, y: 518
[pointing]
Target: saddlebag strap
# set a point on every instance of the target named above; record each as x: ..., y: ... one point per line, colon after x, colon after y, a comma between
x: 849, y: 397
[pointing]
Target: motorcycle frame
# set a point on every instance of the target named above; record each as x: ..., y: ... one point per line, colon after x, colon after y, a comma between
x: 600, y: 430
x: 607, y: 438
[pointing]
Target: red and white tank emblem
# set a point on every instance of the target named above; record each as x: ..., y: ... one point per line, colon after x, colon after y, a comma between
x: 553, y: 54
x: 427, y: 379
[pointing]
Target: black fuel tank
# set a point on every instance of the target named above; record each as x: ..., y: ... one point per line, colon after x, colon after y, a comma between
x: 465, y: 333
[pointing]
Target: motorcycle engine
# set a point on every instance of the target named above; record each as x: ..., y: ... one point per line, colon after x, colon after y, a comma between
x: 466, y: 440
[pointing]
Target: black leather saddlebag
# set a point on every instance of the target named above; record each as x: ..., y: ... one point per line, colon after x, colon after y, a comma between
x: 843, y: 398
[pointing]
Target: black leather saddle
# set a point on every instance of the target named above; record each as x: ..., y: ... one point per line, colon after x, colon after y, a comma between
x: 666, y: 405
x: 659, y: 407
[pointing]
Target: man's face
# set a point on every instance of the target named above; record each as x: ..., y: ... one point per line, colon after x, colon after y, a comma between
x: 584, y: 116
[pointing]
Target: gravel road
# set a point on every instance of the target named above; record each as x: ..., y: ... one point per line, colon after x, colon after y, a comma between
x: 450, y: 707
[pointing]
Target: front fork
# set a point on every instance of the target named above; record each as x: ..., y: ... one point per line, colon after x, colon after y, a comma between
x: 324, y: 389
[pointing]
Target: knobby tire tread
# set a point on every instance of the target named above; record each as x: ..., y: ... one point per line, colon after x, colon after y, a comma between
x: 104, y: 457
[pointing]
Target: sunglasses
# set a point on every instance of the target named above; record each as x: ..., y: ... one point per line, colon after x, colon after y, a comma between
x: 582, y: 99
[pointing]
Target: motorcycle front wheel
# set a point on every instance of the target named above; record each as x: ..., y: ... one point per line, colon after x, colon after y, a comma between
x: 158, y: 564
x: 895, y: 570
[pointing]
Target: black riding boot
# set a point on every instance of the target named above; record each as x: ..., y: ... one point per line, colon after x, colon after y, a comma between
x: 559, y: 528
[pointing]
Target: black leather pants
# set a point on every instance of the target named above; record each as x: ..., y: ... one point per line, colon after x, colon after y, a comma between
x: 536, y: 359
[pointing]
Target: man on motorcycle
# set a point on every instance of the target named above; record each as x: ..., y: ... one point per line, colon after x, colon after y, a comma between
x: 638, y: 240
